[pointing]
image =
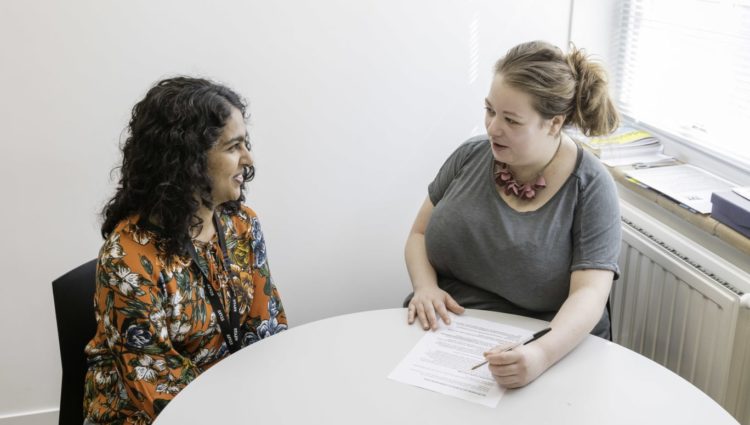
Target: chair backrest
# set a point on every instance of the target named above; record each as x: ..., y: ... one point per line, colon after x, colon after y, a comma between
x: 73, y: 293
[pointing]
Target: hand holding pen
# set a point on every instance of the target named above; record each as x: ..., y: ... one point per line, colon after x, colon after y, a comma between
x: 524, y: 341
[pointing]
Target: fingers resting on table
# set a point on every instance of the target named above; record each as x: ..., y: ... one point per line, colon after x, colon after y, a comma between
x: 428, y: 305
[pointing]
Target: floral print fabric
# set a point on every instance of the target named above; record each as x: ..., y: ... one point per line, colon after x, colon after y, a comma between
x: 156, y: 330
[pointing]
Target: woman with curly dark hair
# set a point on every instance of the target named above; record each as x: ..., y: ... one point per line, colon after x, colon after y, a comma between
x: 182, y: 277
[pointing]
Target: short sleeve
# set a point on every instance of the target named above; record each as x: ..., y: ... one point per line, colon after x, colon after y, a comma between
x: 597, y: 230
x: 449, y: 171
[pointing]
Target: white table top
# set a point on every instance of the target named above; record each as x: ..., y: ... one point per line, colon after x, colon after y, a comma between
x: 334, y: 371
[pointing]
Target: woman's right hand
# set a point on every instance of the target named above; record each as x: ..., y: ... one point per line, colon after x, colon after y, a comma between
x: 429, y: 303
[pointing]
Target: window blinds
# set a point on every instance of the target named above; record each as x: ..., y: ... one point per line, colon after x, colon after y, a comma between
x: 684, y: 66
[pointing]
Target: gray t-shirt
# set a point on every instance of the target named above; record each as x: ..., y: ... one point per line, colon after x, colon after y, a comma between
x: 491, y: 257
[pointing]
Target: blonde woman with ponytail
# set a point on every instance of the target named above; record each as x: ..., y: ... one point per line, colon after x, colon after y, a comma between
x: 522, y: 220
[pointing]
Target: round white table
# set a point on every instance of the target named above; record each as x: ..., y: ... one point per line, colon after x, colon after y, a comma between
x: 334, y: 371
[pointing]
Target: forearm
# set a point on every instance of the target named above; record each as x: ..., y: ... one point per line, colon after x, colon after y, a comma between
x: 578, y: 315
x: 421, y: 272
x: 429, y: 301
x: 152, y: 381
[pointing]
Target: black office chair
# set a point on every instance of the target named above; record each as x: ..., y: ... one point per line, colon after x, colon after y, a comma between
x: 73, y: 293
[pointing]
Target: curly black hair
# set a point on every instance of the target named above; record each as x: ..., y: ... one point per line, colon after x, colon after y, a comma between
x: 164, y: 159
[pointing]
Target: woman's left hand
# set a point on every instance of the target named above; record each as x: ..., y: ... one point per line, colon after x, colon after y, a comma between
x: 517, y: 367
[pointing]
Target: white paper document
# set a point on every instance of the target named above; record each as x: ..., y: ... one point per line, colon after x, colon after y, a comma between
x: 648, y: 161
x: 688, y: 185
x: 442, y: 360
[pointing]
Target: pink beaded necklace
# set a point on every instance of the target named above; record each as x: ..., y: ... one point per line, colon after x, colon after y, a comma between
x: 525, y: 191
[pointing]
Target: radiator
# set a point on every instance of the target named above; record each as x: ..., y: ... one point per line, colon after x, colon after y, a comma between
x: 681, y: 305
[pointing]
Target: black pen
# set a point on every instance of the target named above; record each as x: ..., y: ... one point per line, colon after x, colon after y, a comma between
x: 531, y: 338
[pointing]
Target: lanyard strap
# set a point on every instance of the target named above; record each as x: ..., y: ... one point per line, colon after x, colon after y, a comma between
x: 230, y: 326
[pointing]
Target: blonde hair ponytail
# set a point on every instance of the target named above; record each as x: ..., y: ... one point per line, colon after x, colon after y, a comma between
x: 569, y: 85
x: 594, y: 111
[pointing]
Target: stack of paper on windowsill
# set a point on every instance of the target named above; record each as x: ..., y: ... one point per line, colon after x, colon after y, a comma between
x: 626, y: 146
x: 689, y: 186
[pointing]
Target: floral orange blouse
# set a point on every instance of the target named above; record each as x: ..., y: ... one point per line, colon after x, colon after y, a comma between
x: 156, y: 328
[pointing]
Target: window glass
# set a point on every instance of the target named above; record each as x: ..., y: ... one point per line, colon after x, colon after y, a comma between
x: 684, y: 66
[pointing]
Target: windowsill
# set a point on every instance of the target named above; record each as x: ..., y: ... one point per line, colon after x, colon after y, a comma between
x: 704, y: 223
x: 732, y: 169
x: 703, y: 228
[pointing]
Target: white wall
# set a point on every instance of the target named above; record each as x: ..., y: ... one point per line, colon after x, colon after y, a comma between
x: 593, y: 26
x: 355, y: 106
